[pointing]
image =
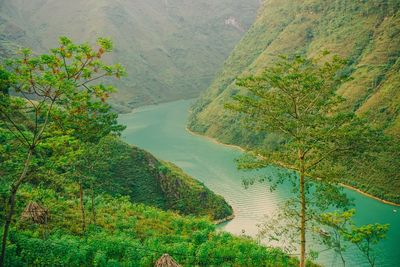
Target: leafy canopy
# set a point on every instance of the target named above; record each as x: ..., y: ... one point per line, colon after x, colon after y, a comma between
x: 297, y: 100
x: 59, y: 88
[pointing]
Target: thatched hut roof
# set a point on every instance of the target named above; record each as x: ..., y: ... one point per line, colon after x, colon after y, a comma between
x: 35, y: 213
x: 166, y: 261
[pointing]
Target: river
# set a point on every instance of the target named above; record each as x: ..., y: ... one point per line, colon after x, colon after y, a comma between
x: 160, y: 129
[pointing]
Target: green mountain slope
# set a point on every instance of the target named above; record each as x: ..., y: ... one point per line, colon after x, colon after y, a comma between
x: 365, y: 32
x: 171, y: 48
x: 129, y: 215
x: 128, y: 234
x: 139, y: 175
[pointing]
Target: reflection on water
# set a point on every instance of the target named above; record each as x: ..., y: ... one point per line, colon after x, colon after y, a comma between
x: 161, y: 130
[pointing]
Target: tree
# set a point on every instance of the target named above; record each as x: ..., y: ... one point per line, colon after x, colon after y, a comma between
x: 338, y: 224
x: 342, y: 232
x: 366, y: 236
x: 4, y: 81
x: 91, y: 122
x: 89, y: 163
x: 296, y: 99
x: 48, y: 85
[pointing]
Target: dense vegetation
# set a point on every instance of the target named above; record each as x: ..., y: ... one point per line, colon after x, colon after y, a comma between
x: 129, y: 234
x: 171, y: 49
x: 73, y: 194
x: 296, y: 99
x: 139, y: 175
x: 68, y: 184
x: 364, y: 32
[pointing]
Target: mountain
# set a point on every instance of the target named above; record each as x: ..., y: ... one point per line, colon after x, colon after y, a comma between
x: 170, y: 48
x: 367, y: 33
x: 144, y: 179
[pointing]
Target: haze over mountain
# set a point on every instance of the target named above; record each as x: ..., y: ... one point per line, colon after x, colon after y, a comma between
x: 171, y: 48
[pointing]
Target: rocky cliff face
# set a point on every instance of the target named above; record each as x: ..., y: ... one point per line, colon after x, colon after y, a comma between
x: 171, y: 49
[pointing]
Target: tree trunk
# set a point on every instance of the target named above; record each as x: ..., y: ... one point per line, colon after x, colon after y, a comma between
x: 343, y: 261
x: 340, y: 251
x: 11, y: 205
x: 82, y: 207
x: 370, y: 259
x: 302, y: 216
x: 93, y: 207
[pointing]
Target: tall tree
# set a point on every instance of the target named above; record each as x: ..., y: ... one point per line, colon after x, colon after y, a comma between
x: 48, y: 85
x: 296, y: 99
x: 92, y: 120
x: 88, y: 163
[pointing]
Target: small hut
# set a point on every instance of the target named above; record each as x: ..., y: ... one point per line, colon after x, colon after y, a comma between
x: 166, y: 261
x: 35, y: 213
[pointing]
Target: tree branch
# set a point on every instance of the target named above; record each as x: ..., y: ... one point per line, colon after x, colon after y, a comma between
x: 84, y: 64
x: 15, y: 126
x: 93, y: 79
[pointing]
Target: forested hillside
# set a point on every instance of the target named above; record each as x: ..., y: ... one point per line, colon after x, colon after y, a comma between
x: 136, y: 173
x: 367, y: 33
x: 120, y: 230
x: 171, y: 48
x: 69, y: 184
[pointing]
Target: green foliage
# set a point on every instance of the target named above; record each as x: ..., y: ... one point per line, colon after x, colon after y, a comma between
x: 342, y: 228
x: 366, y: 236
x: 4, y: 81
x: 56, y: 98
x: 139, y: 175
x: 58, y: 90
x: 188, y: 196
x: 129, y: 234
x: 296, y: 99
x: 361, y: 31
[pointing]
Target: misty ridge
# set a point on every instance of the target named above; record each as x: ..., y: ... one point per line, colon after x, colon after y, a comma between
x: 171, y: 49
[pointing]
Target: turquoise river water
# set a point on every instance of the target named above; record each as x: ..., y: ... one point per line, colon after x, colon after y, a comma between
x: 160, y: 129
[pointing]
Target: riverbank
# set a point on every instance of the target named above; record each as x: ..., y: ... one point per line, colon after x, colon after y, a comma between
x: 369, y: 195
x: 224, y: 220
x: 214, y: 140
